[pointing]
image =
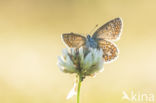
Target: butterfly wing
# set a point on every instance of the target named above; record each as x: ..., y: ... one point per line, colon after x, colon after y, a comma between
x: 109, y: 31
x: 110, y: 51
x: 73, y: 40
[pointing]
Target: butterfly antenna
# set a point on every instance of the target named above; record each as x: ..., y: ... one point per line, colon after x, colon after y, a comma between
x: 93, y: 28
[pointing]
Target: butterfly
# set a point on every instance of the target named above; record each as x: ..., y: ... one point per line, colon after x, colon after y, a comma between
x: 103, y: 38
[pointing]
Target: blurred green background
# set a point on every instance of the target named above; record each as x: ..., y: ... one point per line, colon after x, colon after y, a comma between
x: 30, y: 42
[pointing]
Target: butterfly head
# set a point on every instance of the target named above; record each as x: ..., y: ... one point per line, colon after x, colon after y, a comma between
x: 88, y: 37
x: 91, y: 42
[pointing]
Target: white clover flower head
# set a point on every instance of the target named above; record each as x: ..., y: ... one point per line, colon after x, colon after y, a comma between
x: 84, y: 61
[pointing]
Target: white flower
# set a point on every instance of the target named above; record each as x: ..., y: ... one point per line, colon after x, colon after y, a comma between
x: 84, y: 61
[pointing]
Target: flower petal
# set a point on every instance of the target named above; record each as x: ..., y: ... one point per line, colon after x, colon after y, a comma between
x: 72, y: 92
x: 88, y: 61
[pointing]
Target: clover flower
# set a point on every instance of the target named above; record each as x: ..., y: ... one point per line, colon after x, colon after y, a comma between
x: 83, y: 62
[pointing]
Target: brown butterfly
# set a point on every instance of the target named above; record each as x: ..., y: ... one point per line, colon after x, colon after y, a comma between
x: 102, y: 38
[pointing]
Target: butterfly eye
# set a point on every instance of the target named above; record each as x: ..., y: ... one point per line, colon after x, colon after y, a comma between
x: 87, y: 36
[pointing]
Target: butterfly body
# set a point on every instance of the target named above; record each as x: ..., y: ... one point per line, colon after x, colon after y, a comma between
x: 103, y: 38
x: 90, y: 42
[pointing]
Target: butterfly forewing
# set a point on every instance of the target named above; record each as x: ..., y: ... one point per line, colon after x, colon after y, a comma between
x: 110, y: 51
x: 74, y: 40
x: 109, y: 31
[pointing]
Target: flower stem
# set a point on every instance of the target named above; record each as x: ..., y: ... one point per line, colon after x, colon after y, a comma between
x: 78, y: 90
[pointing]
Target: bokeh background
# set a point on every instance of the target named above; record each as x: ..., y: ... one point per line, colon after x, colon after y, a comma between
x: 30, y: 42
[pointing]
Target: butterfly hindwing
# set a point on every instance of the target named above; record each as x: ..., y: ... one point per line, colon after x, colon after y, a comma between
x: 109, y: 31
x: 73, y: 40
x: 110, y: 51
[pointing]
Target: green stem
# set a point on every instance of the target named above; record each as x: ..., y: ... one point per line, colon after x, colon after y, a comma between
x: 78, y: 90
